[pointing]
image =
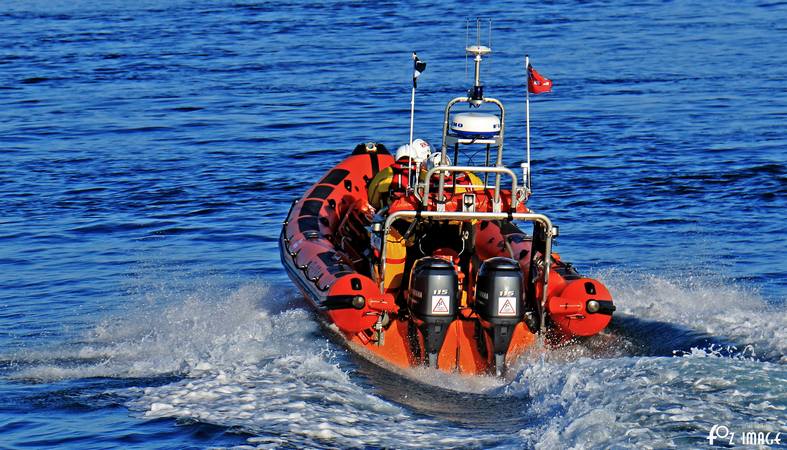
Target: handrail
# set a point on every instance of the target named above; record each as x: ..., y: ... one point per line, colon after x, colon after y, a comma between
x: 458, y: 215
x: 446, y: 117
x: 441, y: 187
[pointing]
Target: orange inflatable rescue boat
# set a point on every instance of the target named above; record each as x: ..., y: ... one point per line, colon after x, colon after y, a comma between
x: 417, y: 260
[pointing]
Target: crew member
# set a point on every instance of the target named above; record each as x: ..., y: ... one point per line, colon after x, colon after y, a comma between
x: 395, y: 180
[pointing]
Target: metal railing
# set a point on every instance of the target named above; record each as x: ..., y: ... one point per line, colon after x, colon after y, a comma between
x: 500, y: 135
x: 450, y: 215
x: 441, y: 187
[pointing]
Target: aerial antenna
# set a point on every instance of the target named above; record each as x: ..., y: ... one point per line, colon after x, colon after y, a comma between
x: 467, y: 44
x: 489, y: 42
x: 476, y: 93
x: 477, y: 31
x: 490, y: 33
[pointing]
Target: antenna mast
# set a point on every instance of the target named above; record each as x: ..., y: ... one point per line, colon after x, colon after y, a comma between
x: 476, y: 93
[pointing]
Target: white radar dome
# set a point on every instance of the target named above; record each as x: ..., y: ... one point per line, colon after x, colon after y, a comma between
x: 475, y: 124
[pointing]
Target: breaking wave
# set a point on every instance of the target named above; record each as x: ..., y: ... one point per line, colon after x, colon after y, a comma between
x: 253, y: 359
x: 726, y: 313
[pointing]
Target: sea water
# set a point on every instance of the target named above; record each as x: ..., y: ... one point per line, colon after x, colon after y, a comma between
x: 150, y: 151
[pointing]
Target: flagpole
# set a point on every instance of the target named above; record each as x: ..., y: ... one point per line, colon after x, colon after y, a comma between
x: 413, y: 173
x: 412, y: 114
x: 527, y: 116
x: 412, y: 96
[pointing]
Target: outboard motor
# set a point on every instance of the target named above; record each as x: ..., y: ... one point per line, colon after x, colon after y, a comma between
x: 499, y: 302
x: 433, y: 301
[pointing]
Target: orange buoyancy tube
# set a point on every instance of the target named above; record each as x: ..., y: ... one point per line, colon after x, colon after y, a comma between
x: 310, y: 250
x: 502, y: 238
x: 583, y: 307
x: 577, y: 305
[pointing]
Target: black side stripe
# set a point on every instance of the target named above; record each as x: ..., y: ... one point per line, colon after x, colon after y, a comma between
x: 375, y: 163
x: 335, y: 176
x: 328, y: 258
x: 311, y: 208
x: 333, y: 263
x: 308, y: 224
x: 321, y: 192
x: 338, y: 302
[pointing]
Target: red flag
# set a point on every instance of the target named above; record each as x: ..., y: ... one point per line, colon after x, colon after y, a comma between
x: 537, y: 83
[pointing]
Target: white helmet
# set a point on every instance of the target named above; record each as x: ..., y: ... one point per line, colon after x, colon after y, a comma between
x: 418, y: 152
x: 422, y: 148
x: 436, y: 159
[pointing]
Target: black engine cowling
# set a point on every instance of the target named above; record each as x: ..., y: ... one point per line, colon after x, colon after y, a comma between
x: 499, y: 300
x: 433, y: 301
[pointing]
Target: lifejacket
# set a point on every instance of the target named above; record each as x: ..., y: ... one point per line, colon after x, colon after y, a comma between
x: 400, y: 180
x: 389, y: 184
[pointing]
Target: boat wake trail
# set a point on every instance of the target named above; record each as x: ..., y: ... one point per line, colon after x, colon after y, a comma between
x: 254, y: 360
x: 163, y: 336
x: 646, y: 401
x: 694, y: 313
x: 251, y: 359
x: 681, y: 359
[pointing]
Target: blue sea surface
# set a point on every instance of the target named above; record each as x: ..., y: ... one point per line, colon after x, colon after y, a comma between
x: 151, y: 149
